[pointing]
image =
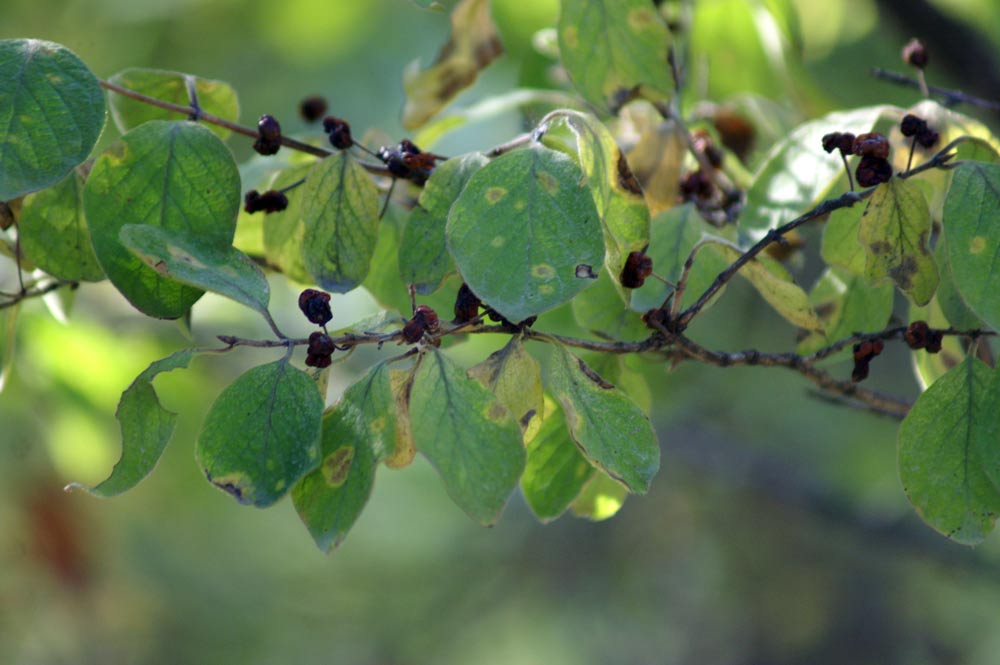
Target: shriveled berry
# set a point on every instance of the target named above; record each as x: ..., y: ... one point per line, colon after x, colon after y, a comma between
x: 863, y: 354
x: 934, y: 340
x: 871, y: 144
x: 638, y: 266
x: 424, y: 320
x: 316, y: 306
x: 466, y: 304
x: 831, y: 141
x: 873, y: 171
x: 320, y: 348
x: 339, y: 132
x: 312, y: 108
x: 927, y: 138
x: 915, y: 53
x: 427, y: 316
x: 269, y: 128
x: 270, y: 201
x: 911, y: 125
x: 696, y: 185
x: 917, y: 335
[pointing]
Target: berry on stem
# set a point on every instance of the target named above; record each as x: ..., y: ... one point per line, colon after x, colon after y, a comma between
x: 270, y: 201
x: 638, y: 266
x: 316, y: 306
x: 320, y: 348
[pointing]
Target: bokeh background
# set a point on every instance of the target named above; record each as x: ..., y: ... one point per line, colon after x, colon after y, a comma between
x: 776, y: 531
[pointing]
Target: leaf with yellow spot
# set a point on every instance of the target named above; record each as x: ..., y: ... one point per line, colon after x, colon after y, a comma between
x: 222, y: 269
x: 523, y: 253
x: 514, y: 376
x: 262, y: 434
x: 895, y: 230
x: 616, y: 192
x: 474, y: 44
x: 610, y: 48
x: 610, y: 429
x: 404, y: 450
x: 358, y: 433
x: 973, y: 237
x: 468, y: 436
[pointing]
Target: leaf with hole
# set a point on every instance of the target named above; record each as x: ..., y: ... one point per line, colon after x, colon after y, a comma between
x: 174, y: 175
x: 520, y: 230
x: 262, y: 434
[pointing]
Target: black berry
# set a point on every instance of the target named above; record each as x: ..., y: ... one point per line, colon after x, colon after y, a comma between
x: 316, y: 306
x: 863, y: 354
x: 321, y: 347
x: 911, y: 125
x: 339, y: 132
x: 268, y: 128
x: 638, y: 266
x: 270, y: 201
x: 872, y: 171
x: 466, y: 304
x: 872, y: 144
x: 312, y: 108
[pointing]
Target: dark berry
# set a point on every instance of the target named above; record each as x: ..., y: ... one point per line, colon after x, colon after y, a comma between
x: 934, y: 340
x: 270, y: 201
x: 268, y: 128
x: 872, y: 144
x: 917, y: 335
x: 409, y: 147
x: 927, y: 138
x: 638, y: 266
x: 321, y: 347
x: 265, y: 147
x: 831, y: 141
x: 424, y: 320
x: 393, y: 160
x: 872, y: 171
x: 427, y: 316
x: 846, y: 143
x: 316, y: 306
x: 466, y: 304
x: 339, y: 132
x: 312, y: 108
x: 911, y: 125
x: 696, y: 185
x: 863, y: 354
x: 915, y: 54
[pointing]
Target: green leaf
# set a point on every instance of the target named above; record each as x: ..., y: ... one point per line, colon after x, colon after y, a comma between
x: 424, y: 260
x: 145, y: 425
x: 617, y: 194
x: 340, y: 216
x: 941, y: 463
x: 8, y: 330
x: 54, y: 234
x: 929, y: 367
x: 600, y: 499
x: 610, y: 428
x: 174, y: 175
x: 556, y: 470
x: 674, y: 234
x: 840, y: 246
x: 357, y: 433
x: 611, y: 47
x: 956, y: 313
x: 515, y: 377
x: 262, y: 434
x: 221, y: 269
x: 520, y: 230
x: 600, y: 310
x: 973, y: 236
x: 469, y: 437
x: 215, y: 97
x: 283, y: 231
x: 798, y: 174
x: 474, y: 43
x: 51, y: 111
x: 894, y: 230
x: 773, y: 282
x: 986, y: 430
x: 846, y: 304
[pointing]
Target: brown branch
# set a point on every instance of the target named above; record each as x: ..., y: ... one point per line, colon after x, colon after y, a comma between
x: 950, y: 97
x: 36, y: 292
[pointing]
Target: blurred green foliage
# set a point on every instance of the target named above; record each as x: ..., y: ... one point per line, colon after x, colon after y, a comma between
x: 776, y: 531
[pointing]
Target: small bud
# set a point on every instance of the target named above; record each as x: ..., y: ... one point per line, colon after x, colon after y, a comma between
x: 915, y: 54
x: 871, y: 144
x: 312, y: 108
x: 316, y: 306
x: 466, y: 304
x: 638, y: 266
x: 321, y: 347
x: 872, y: 171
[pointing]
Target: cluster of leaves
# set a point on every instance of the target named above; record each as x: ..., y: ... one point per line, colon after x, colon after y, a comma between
x: 558, y: 217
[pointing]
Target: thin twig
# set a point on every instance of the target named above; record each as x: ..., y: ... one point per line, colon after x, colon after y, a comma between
x: 24, y: 294
x: 951, y: 97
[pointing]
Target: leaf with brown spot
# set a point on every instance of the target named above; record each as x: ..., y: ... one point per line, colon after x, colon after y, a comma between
x: 474, y: 44
x: 515, y: 377
x: 894, y: 230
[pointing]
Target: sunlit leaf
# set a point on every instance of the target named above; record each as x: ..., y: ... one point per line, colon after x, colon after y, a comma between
x: 515, y: 377
x: 657, y: 159
x: 424, y: 260
x: 469, y: 437
x: 145, y: 425
x: 840, y: 246
x: 474, y: 44
x: 215, y: 97
x: 8, y: 330
x: 262, y: 434
x: 610, y: 428
x: 51, y: 111
x: 555, y: 471
x: 54, y: 234
x: 283, y: 231
x: 956, y: 313
x: 894, y: 231
x: 221, y: 269
x: 941, y: 446
x: 521, y: 230
x: 973, y: 236
x: 600, y: 309
x: 600, y: 499
x: 340, y: 218
x: 174, y: 175
x: 612, y: 47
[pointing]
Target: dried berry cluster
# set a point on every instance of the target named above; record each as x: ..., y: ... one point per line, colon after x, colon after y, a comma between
x: 269, y: 140
x: 863, y: 354
x: 638, y: 266
x: 424, y: 320
x: 873, y: 148
x: 270, y: 201
x: 338, y: 131
x: 316, y: 307
x: 916, y: 127
x: 921, y: 336
x: 408, y: 162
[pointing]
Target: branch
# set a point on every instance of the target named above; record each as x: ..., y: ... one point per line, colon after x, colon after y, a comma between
x: 36, y: 292
x: 950, y: 97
